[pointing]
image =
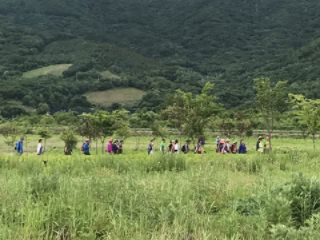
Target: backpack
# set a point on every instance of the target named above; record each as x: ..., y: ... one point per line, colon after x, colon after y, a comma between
x: 16, y: 148
x: 183, y: 149
x: 82, y: 148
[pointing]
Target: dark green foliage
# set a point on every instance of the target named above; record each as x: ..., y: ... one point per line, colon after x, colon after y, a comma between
x: 157, y: 46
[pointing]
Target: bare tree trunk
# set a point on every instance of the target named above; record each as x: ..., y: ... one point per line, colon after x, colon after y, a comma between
x: 96, y: 146
x: 314, y: 144
x: 270, y: 147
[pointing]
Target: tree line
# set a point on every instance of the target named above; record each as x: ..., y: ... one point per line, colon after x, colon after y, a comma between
x: 190, y: 115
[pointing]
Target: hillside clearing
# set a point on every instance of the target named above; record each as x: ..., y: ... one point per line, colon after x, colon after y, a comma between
x: 56, y: 70
x: 109, y: 75
x: 122, y: 96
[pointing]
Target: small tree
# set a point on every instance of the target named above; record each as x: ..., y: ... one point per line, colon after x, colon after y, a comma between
x: 199, y: 110
x: 243, y: 124
x: 176, y: 115
x: 10, y: 133
x: 45, y: 133
x: 271, y: 102
x: 47, y: 120
x: 123, y: 129
x: 102, y: 122
x: 70, y: 139
x: 307, y: 112
x: 159, y: 128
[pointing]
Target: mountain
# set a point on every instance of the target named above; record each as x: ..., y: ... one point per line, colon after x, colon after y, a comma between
x: 157, y: 46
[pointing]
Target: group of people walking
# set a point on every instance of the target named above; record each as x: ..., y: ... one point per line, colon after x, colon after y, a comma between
x: 116, y: 147
x: 263, y: 145
x: 174, y: 147
x: 224, y: 146
x: 113, y: 147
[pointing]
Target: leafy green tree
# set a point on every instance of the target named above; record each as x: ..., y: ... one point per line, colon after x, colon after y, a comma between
x: 243, y: 124
x: 307, y: 112
x: 10, y: 133
x: 143, y: 118
x: 47, y: 120
x: 121, y: 124
x: 103, y: 123
x: 159, y: 128
x: 199, y: 110
x: 271, y: 102
x: 70, y: 139
x: 43, y: 108
x: 66, y: 118
x: 123, y: 129
x: 45, y: 133
x: 175, y: 115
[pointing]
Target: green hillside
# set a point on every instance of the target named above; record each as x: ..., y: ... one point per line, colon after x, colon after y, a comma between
x: 157, y: 47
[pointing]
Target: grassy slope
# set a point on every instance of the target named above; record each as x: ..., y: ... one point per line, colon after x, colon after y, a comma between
x: 109, y: 75
x: 123, y: 96
x: 56, y: 70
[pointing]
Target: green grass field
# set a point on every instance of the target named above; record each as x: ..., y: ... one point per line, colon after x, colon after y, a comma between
x: 56, y: 70
x: 109, y: 75
x: 122, y: 95
x: 161, y: 196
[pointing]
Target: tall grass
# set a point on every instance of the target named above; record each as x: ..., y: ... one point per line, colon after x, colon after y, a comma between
x: 171, y: 196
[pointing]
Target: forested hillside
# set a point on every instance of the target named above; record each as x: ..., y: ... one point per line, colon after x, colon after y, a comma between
x: 157, y: 46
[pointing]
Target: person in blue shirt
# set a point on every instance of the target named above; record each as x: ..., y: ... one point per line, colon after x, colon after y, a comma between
x: 19, y: 146
x: 242, y: 147
x: 86, y: 147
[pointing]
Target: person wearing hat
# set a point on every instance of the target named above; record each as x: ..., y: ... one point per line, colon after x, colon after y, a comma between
x: 260, y: 145
x: 234, y: 147
x: 218, y: 142
x: 162, y: 145
x: 185, y: 148
x: 19, y: 146
x: 151, y: 146
x: 109, y: 146
x: 86, y: 147
x: 223, y: 147
x: 120, y: 145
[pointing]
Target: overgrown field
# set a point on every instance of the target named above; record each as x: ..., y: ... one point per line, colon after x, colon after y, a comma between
x: 55, y: 70
x: 162, y: 196
x: 121, y: 95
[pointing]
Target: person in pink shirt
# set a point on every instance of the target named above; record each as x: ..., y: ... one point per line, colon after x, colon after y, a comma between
x: 109, y: 146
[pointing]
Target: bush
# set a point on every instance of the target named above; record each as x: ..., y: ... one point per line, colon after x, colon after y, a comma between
x: 297, y: 200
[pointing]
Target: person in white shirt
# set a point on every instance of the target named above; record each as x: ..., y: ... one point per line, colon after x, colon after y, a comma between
x: 40, y: 148
x: 176, y: 146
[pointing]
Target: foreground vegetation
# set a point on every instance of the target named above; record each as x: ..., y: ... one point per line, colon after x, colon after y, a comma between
x: 135, y: 196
